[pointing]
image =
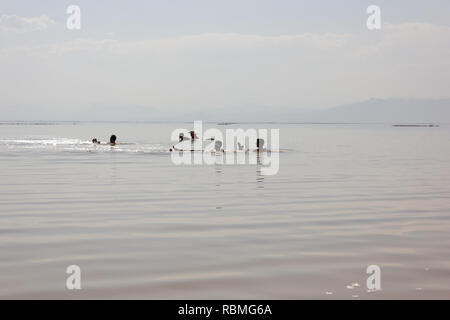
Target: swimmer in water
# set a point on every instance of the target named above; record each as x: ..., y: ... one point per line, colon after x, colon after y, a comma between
x: 218, y: 146
x: 260, y: 145
x: 95, y: 141
x: 193, y: 135
x: 112, y: 140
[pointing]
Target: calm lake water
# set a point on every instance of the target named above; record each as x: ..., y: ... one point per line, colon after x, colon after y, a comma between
x: 345, y: 197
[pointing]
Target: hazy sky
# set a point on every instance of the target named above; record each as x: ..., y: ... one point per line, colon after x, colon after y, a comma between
x: 178, y: 56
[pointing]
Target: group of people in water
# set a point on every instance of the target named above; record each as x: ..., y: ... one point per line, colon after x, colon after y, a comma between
x: 112, y: 140
x: 192, y: 134
x: 217, y: 144
x: 192, y: 137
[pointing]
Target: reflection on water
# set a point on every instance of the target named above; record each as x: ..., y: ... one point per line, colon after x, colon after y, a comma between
x: 141, y: 227
x: 219, y: 171
x: 259, y: 172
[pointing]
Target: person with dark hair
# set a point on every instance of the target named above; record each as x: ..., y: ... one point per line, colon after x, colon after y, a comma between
x: 259, y: 145
x: 193, y: 135
x: 112, y: 140
x: 218, y: 146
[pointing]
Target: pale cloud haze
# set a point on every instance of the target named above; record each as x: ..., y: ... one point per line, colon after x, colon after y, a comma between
x: 14, y: 23
x: 63, y: 74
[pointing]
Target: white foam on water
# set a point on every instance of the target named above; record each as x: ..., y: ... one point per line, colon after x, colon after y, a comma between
x: 43, y: 142
x: 78, y: 145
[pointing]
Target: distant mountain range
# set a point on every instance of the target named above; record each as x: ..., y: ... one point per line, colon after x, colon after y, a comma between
x: 373, y: 110
x: 389, y: 110
x: 369, y: 111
